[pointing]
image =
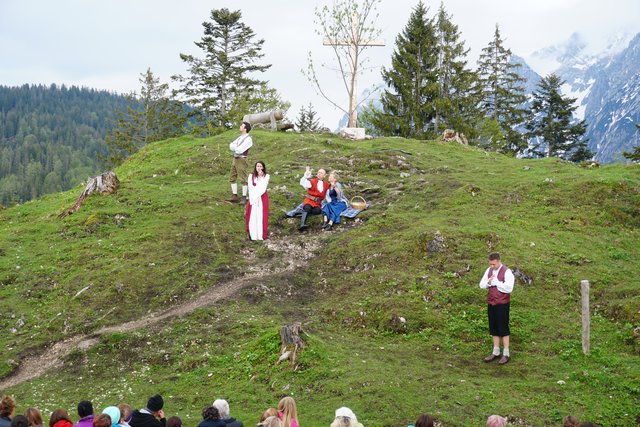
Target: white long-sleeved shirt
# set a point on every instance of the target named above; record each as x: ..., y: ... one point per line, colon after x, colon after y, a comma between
x: 256, y: 191
x: 241, y: 144
x: 306, y: 184
x: 505, y: 287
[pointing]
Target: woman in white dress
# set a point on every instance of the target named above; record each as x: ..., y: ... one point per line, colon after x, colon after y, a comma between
x: 257, y: 215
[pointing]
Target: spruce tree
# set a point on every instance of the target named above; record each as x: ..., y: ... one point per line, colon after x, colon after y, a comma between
x: 456, y: 103
x: 158, y: 117
x: 408, y: 103
x: 307, y: 120
x: 221, y: 80
x: 553, y: 124
x: 502, y: 95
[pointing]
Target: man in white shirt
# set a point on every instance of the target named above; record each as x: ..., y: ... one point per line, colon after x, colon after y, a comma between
x: 240, y: 148
x: 498, y: 280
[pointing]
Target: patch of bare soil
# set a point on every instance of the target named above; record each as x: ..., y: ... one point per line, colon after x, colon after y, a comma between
x: 289, y: 253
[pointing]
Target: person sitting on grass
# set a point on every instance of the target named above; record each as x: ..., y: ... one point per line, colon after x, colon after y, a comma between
x: 316, y: 192
x: 34, y: 417
x: 288, y: 412
x: 336, y: 202
x: 60, y: 418
x: 7, y: 409
x: 211, y: 418
x: 223, y: 409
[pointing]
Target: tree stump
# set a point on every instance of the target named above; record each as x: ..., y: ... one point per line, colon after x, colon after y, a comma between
x: 452, y: 135
x: 291, y: 343
x: 106, y: 183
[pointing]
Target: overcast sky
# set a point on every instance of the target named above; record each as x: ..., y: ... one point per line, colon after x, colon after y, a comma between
x: 107, y: 44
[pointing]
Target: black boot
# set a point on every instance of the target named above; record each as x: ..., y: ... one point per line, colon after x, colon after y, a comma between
x: 303, y: 218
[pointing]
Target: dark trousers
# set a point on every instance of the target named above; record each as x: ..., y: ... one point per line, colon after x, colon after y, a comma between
x: 312, y: 210
x: 498, y: 320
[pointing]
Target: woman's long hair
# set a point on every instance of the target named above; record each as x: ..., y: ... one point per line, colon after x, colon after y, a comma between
x: 264, y: 168
x: 289, y: 411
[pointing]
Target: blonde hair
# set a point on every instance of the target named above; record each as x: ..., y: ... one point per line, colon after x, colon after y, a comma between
x: 289, y: 411
x: 125, y: 411
x: 335, y: 175
x: 271, y: 412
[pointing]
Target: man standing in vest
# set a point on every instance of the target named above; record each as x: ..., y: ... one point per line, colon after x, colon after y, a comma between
x: 316, y: 191
x: 498, y: 279
x: 240, y: 148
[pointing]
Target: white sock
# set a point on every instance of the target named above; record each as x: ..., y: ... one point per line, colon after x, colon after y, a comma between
x: 505, y: 352
x: 244, y: 190
x: 496, y: 351
x: 234, y: 188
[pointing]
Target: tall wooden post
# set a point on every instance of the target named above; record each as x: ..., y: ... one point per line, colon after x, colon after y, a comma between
x: 586, y: 319
x: 356, y: 44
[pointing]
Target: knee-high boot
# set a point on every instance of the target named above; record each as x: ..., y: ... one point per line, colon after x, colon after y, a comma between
x: 303, y: 219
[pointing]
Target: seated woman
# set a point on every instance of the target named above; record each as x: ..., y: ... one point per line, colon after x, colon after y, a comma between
x: 336, y: 202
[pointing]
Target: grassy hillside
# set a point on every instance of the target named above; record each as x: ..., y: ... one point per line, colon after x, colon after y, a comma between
x: 167, y: 237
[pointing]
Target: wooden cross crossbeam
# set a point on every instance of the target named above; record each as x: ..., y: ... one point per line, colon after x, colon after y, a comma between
x: 354, y: 43
x: 345, y: 42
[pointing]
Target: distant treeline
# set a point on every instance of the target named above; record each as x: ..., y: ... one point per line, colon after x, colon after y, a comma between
x: 52, y: 137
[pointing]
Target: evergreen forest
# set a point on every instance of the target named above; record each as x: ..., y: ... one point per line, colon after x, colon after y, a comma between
x: 52, y: 137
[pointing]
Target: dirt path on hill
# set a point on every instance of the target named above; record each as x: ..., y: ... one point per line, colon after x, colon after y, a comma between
x: 289, y: 252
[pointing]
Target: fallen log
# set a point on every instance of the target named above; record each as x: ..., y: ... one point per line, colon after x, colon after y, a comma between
x: 266, y: 117
x: 106, y: 183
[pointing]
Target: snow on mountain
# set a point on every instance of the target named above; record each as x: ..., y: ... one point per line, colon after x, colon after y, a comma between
x: 605, y: 82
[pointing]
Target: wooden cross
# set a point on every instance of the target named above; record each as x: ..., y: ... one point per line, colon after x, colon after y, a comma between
x: 354, y: 41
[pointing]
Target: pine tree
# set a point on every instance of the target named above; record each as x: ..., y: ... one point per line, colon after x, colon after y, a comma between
x: 220, y: 81
x: 307, y: 120
x: 408, y: 105
x: 553, y: 122
x: 502, y: 95
x: 157, y: 118
x: 456, y: 103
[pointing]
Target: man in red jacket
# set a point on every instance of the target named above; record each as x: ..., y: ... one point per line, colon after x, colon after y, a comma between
x: 498, y: 280
x: 316, y: 190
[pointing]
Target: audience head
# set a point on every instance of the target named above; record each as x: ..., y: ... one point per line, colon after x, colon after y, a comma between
x: 424, y: 420
x: 19, y: 421
x: 125, y: 412
x: 114, y: 414
x: 272, y: 421
x: 289, y: 411
x: 570, y: 421
x: 155, y: 403
x: 85, y: 408
x: 345, y: 418
x: 34, y: 417
x: 271, y: 412
x: 321, y: 174
x: 247, y: 126
x: 174, y: 422
x: 496, y: 421
x: 60, y: 416
x: 210, y: 413
x: 102, y: 420
x: 222, y: 406
x: 7, y: 406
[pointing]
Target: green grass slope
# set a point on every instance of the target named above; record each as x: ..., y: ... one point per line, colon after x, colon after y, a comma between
x: 168, y: 235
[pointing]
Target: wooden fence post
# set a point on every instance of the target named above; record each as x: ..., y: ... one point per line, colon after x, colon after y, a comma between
x: 586, y: 319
